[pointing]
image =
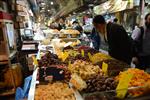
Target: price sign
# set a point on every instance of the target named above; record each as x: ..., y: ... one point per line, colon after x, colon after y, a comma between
x: 69, y: 63
x: 64, y: 56
x: 90, y: 56
x: 82, y: 53
x: 35, y: 60
x: 122, y: 87
x: 105, y: 68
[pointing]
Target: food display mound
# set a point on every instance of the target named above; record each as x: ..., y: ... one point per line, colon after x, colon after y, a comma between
x: 54, y: 73
x: 49, y: 59
x: 99, y: 57
x: 140, y: 80
x: 87, y: 50
x: 114, y: 66
x: 100, y: 83
x: 80, y: 57
x: 68, y: 48
x: 54, y: 91
x: 100, y: 96
x: 84, y: 69
x: 69, y: 31
x: 72, y: 59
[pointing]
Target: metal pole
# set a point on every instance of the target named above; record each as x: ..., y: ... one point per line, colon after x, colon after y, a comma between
x: 142, y: 6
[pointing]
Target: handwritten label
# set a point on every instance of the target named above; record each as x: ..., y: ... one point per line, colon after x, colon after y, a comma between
x: 105, y: 68
x: 122, y: 87
x: 82, y: 53
x: 90, y: 56
x: 64, y: 56
x: 69, y: 63
x: 35, y: 60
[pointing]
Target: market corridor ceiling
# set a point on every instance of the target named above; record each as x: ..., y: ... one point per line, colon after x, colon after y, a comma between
x: 48, y: 8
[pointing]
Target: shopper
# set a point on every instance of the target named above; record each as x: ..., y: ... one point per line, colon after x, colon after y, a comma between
x: 96, y: 40
x: 115, y: 20
x: 141, y: 37
x: 115, y: 35
x: 61, y: 24
x: 76, y: 26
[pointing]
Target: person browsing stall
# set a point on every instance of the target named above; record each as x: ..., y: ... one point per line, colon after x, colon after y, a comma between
x: 76, y: 26
x: 117, y: 38
x: 141, y: 36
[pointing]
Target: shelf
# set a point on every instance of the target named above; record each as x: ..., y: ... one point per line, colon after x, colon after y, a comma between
x: 3, y: 58
x: 7, y: 92
x: 69, y: 38
x: 30, y: 42
x: 3, y: 62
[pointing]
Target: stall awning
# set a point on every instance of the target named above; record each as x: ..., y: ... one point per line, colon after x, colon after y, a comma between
x: 113, y: 6
x: 70, y: 6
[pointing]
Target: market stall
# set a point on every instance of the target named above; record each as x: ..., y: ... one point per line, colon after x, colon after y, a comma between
x: 63, y: 64
x: 82, y: 73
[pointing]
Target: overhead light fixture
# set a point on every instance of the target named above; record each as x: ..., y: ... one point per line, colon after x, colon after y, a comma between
x: 88, y: 12
x: 48, y: 10
x: 74, y: 13
x: 42, y: 3
x: 52, y: 3
x: 70, y: 15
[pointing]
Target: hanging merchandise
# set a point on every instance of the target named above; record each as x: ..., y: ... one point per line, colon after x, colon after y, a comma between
x: 113, y: 6
x: 10, y: 33
x: 39, y: 35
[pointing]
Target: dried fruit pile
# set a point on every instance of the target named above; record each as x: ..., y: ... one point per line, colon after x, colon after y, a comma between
x: 100, y: 83
x: 88, y: 50
x: 54, y: 91
x: 84, y: 69
x: 49, y: 59
x: 114, y: 66
x: 85, y: 74
x: 140, y: 79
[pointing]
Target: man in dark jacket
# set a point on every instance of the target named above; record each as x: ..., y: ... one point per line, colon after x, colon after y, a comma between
x: 117, y: 38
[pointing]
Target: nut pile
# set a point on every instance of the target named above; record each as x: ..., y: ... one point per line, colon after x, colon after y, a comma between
x: 100, y: 83
x: 54, y: 91
x: 84, y: 69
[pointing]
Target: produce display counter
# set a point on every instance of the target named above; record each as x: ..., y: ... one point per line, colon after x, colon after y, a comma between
x: 34, y: 83
x: 86, y: 80
x: 83, y: 73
